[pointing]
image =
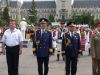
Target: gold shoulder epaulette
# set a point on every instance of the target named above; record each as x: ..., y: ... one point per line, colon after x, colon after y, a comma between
x: 49, y: 30
x: 65, y: 33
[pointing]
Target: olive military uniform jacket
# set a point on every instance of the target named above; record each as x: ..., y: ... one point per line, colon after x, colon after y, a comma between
x: 95, y: 46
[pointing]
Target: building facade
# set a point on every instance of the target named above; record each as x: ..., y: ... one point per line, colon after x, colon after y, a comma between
x: 92, y: 6
x: 60, y: 9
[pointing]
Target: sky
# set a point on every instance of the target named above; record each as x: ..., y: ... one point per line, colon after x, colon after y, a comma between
x: 43, y: 0
x: 37, y: 0
x: 40, y: 0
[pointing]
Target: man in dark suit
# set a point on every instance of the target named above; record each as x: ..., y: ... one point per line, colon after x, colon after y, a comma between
x: 70, y: 49
x: 42, y: 46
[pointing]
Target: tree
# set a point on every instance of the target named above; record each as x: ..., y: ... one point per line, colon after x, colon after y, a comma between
x: 5, y: 16
x: 17, y: 21
x: 33, y: 13
x: 0, y: 16
x: 51, y: 18
x: 28, y: 21
x: 83, y: 18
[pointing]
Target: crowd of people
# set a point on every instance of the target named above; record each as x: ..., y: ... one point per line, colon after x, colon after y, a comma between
x: 66, y: 41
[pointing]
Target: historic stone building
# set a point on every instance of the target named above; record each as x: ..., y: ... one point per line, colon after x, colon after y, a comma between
x: 63, y: 9
x: 60, y: 9
x: 44, y: 8
x: 92, y: 6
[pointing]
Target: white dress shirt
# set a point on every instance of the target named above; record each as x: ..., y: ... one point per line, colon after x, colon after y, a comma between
x: 12, y: 38
x: 42, y: 31
x: 71, y: 34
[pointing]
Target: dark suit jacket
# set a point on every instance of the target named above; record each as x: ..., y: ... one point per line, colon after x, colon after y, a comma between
x: 73, y: 49
x: 45, y: 43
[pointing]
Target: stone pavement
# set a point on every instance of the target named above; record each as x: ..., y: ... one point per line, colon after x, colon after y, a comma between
x: 28, y: 65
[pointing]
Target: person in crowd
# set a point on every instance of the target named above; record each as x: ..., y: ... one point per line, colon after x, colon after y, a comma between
x: 70, y: 49
x: 95, y: 50
x: 23, y: 26
x: 61, y: 31
x: 82, y: 38
x: 54, y: 38
x: 12, y: 41
x: 87, y: 40
x: 42, y: 47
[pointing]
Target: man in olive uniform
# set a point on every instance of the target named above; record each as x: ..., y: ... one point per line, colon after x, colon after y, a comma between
x: 42, y: 46
x: 95, y: 50
x: 70, y: 49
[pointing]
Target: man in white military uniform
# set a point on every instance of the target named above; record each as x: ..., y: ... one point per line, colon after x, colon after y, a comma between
x: 23, y: 26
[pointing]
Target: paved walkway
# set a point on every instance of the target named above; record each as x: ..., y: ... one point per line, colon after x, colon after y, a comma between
x: 28, y: 65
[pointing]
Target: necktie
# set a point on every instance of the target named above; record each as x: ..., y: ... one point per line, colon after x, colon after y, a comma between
x: 43, y: 31
x: 72, y: 34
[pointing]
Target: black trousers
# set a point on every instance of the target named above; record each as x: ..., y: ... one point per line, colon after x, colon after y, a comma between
x: 43, y: 61
x: 12, y: 56
x: 71, y: 65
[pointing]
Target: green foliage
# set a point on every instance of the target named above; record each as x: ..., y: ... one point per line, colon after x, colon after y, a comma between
x: 83, y: 18
x: 17, y: 21
x: 0, y: 23
x: 4, y: 22
x: 5, y: 16
x: 33, y: 13
x: 28, y: 21
x: 51, y: 18
x: 32, y: 19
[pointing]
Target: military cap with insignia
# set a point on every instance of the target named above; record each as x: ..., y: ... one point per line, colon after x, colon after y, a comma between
x: 97, y: 24
x: 62, y: 22
x: 43, y: 20
x: 71, y: 24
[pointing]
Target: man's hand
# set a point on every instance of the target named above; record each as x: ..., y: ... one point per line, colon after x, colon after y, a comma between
x: 64, y: 56
x: 3, y: 51
x: 34, y: 54
x: 20, y: 52
x: 93, y: 57
x: 0, y: 53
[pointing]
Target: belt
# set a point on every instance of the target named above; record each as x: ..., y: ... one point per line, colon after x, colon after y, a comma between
x: 12, y: 46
